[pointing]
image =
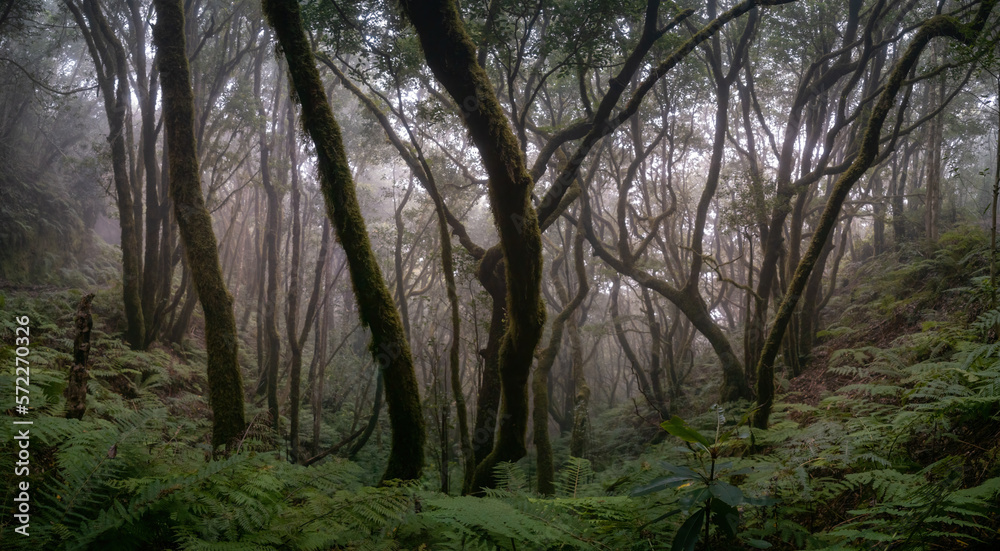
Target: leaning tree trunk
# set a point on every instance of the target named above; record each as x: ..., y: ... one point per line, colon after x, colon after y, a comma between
x: 389, y: 346
x: 867, y: 153
x: 225, y: 385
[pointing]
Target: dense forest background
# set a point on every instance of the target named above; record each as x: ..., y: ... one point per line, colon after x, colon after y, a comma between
x: 559, y: 274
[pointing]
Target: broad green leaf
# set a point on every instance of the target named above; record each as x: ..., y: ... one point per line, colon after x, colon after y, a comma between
x: 726, y: 492
x: 695, y: 498
x: 759, y: 544
x: 680, y: 470
x: 726, y: 517
x: 659, y: 484
x: 689, y: 532
x: 679, y: 428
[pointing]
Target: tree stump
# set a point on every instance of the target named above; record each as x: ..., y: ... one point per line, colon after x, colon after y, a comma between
x: 76, y: 389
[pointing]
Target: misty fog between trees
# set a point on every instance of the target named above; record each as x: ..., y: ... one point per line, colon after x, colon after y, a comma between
x: 565, y: 274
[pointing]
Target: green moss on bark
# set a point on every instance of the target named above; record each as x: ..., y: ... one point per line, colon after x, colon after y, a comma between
x: 451, y: 55
x: 389, y: 346
x: 225, y: 384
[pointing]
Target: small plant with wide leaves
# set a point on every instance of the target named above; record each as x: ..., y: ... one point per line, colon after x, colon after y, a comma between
x: 704, y: 495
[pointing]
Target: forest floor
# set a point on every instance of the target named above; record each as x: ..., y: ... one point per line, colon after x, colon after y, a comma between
x: 887, y: 440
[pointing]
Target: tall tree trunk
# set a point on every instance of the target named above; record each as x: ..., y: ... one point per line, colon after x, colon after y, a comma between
x: 643, y: 382
x: 932, y: 213
x: 389, y: 346
x: 272, y: 341
x: 993, y: 212
x: 452, y: 58
x: 655, y: 358
x: 318, y: 372
x: 109, y: 59
x: 581, y: 402
x: 146, y: 88
x: 540, y: 380
x: 397, y: 258
x: 225, y: 386
x: 291, y: 319
x: 898, y: 195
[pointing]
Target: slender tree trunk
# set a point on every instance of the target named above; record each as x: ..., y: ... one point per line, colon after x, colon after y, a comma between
x: 581, y: 402
x: 540, y: 380
x: 878, y: 214
x: 183, y: 320
x: 389, y: 346
x: 655, y: 358
x: 993, y: 212
x: 898, y: 196
x: 195, y: 223
x: 932, y: 213
x: 373, y: 419
x: 109, y: 58
x: 644, y: 387
x: 319, y: 378
x: 291, y: 320
x: 397, y: 257
x: 272, y: 341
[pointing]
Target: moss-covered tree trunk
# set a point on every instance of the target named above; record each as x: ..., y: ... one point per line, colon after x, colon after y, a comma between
x: 389, y: 346
x: 421, y: 170
x: 451, y: 56
x: 225, y: 385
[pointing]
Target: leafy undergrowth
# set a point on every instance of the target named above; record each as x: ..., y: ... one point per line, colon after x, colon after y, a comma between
x: 899, y: 452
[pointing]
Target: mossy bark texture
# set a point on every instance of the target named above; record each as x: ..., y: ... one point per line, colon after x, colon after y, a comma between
x: 867, y: 152
x: 451, y: 56
x: 225, y: 384
x: 389, y: 346
x: 76, y: 387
